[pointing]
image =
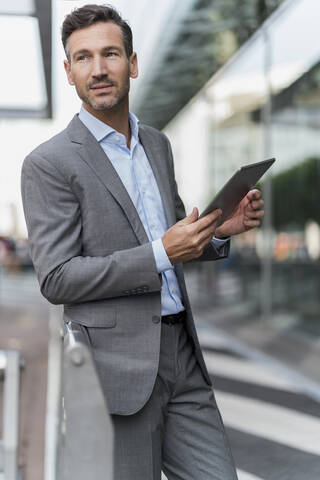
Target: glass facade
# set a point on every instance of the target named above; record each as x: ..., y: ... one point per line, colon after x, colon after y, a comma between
x: 265, y: 102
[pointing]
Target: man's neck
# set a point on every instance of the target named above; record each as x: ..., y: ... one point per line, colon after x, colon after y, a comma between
x: 116, y: 119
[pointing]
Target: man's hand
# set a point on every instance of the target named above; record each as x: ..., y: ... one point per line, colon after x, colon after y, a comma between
x: 186, y: 239
x: 246, y: 216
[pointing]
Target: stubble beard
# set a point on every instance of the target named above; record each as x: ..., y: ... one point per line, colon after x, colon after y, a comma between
x: 110, y: 100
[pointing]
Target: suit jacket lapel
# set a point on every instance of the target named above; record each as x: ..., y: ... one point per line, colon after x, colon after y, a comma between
x: 91, y: 152
x: 155, y: 156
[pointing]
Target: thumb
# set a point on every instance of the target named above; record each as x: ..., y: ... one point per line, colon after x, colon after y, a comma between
x: 192, y: 217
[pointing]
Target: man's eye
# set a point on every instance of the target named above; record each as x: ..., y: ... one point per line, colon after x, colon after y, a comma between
x: 82, y: 58
x: 111, y: 54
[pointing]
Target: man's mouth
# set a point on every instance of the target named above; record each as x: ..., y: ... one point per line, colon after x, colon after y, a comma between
x: 101, y: 87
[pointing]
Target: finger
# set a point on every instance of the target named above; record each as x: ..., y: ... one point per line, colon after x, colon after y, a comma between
x: 252, y: 223
x: 200, y: 245
x: 257, y: 204
x: 254, y: 194
x: 191, y: 218
x: 255, y: 214
x: 205, y: 235
x: 208, y: 220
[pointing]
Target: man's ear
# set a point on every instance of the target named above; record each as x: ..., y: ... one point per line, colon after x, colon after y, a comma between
x: 133, y: 62
x: 67, y: 68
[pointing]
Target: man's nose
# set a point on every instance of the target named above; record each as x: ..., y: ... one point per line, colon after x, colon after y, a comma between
x: 99, y: 67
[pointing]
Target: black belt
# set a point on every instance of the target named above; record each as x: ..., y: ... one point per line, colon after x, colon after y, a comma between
x: 174, y: 318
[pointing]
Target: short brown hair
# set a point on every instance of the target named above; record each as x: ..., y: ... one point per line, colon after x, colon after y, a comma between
x: 90, y: 14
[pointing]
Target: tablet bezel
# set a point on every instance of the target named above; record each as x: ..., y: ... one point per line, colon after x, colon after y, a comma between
x: 236, y: 188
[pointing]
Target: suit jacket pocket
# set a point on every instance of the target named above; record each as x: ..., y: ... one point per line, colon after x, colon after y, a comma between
x: 101, y: 314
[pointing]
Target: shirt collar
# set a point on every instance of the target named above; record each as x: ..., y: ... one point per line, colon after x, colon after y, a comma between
x: 101, y: 130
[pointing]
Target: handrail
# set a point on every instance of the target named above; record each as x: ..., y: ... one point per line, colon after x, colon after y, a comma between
x: 9, y: 442
x: 84, y: 440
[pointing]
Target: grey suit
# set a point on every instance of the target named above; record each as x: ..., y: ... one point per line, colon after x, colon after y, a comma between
x: 92, y: 254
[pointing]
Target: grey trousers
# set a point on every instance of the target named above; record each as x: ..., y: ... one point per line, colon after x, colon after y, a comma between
x: 179, y: 430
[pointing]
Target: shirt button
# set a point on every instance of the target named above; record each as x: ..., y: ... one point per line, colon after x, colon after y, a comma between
x: 156, y: 319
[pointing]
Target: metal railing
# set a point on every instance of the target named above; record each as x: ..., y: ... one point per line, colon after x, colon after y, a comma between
x: 83, y: 440
x: 10, y: 369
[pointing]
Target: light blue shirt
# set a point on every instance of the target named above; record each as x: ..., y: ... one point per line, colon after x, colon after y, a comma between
x: 136, y: 174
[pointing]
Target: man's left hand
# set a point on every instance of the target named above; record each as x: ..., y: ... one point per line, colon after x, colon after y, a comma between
x: 247, y: 215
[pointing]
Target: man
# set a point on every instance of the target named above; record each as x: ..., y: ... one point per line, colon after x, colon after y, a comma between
x: 108, y: 235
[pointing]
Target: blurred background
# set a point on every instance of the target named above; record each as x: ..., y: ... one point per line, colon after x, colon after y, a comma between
x: 230, y: 82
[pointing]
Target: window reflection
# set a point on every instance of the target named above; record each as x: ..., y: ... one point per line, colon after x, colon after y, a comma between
x: 231, y: 112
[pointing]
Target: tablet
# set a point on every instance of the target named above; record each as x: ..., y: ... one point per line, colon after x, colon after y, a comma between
x: 237, y: 187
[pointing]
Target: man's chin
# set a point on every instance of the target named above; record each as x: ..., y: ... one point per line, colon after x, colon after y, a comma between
x: 103, y: 102
x: 103, y: 105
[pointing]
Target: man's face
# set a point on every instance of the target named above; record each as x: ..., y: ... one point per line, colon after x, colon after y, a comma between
x: 98, y: 65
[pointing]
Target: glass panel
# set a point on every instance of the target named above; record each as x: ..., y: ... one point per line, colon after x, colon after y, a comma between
x: 296, y: 198
x: 23, y: 86
x: 230, y: 124
x: 18, y: 7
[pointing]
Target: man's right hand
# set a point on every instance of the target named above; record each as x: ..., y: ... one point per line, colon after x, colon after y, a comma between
x: 186, y: 239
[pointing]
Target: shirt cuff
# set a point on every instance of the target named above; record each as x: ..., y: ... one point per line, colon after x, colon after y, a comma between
x: 162, y: 260
x: 219, y: 242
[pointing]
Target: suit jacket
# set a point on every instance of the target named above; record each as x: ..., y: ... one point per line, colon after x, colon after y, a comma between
x: 92, y: 254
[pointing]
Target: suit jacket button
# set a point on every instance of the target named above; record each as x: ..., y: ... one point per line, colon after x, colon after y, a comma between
x: 156, y: 319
